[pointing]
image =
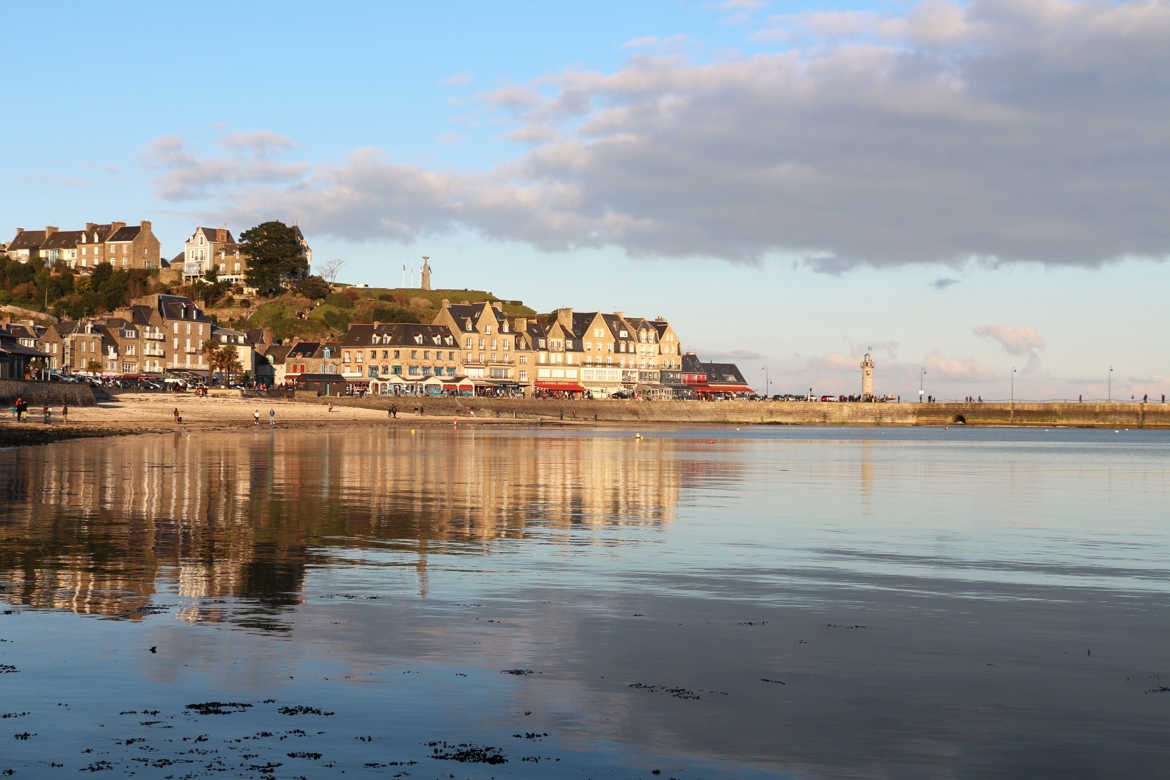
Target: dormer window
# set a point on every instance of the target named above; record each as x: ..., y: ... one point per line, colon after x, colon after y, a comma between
x: 488, y: 330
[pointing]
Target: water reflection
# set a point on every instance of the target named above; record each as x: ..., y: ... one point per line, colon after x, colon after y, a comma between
x: 103, y: 527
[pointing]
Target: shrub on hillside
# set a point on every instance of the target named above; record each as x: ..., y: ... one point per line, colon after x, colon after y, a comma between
x: 393, y: 314
x: 340, y: 300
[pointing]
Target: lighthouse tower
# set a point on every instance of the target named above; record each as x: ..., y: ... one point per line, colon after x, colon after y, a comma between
x: 867, y: 377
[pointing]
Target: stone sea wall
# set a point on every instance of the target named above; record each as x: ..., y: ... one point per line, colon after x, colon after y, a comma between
x: 40, y: 393
x: 1093, y: 415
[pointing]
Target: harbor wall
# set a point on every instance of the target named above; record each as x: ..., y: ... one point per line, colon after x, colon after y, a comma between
x: 1090, y: 415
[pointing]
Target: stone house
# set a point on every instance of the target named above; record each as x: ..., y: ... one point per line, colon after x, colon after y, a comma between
x: 91, y: 248
x: 311, y: 357
x: 133, y: 247
x: 407, y: 350
x: 81, y: 342
x: 201, y: 250
x: 25, y: 247
x: 486, y: 340
x: 61, y: 246
x: 244, y: 351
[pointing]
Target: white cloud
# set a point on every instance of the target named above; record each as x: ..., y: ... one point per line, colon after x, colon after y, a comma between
x: 956, y: 369
x: 183, y: 175
x: 995, y: 131
x: 511, y: 98
x: 457, y: 79
x: 742, y: 5
x: 1017, y: 341
x: 532, y: 134
x: 640, y: 43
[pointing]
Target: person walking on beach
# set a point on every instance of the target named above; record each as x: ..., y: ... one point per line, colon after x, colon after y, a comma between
x: 175, y: 414
x: 272, y: 417
x: 19, y: 407
x: 256, y: 416
x: 65, y: 411
x: 48, y: 415
x: 330, y: 406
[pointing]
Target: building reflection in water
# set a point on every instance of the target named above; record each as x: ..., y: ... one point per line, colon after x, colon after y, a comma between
x: 116, y: 527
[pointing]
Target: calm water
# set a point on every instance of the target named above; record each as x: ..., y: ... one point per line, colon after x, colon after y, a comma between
x: 707, y: 603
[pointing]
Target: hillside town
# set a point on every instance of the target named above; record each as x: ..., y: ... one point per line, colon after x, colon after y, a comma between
x: 469, y: 348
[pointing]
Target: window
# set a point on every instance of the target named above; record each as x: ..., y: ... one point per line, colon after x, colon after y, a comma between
x: 414, y: 354
x: 426, y: 354
x: 373, y: 371
x: 481, y: 342
x: 385, y: 354
x: 451, y: 356
x: 373, y: 354
x: 493, y: 343
x: 397, y: 370
x: 468, y: 344
x: 345, y: 356
x: 493, y: 357
x: 414, y: 370
x: 507, y: 345
x: 523, y: 375
x: 523, y: 360
x: 359, y: 355
x: 397, y: 354
x: 488, y: 330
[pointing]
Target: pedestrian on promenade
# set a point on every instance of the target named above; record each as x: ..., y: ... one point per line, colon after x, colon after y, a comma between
x: 65, y: 411
x: 175, y: 414
x: 330, y: 406
x: 48, y: 415
x: 272, y: 417
x: 19, y: 407
x: 256, y: 416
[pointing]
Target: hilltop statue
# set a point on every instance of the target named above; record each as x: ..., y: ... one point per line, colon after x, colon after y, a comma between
x: 425, y: 282
x: 867, y: 377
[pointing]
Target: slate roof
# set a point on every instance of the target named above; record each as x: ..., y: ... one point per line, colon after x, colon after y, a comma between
x: 173, y: 307
x: 723, y: 372
x: 399, y: 334
x: 303, y: 349
x: 210, y: 233
x: 29, y: 239
x: 277, y: 353
x: 692, y: 365
x: 462, y: 312
x: 128, y: 233
x: 62, y: 239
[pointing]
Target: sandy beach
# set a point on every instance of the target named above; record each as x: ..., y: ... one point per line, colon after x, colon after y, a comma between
x: 141, y: 413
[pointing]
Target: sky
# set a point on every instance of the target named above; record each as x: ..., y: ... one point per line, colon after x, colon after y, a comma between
x: 976, y: 191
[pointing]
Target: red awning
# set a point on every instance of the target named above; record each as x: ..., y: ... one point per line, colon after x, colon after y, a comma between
x: 450, y: 387
x: 722, y: 388
x: 568, y: 387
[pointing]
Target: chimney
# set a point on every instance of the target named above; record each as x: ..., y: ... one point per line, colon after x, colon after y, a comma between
x: 446, y: 303
x: 565, y: 318
x: 221, y: 235
x: 49, y: 230
x: 619, y: 315
x: 116, y: 226
x: 268, y: 339
x: 145, y: 225
x: 19, y: 231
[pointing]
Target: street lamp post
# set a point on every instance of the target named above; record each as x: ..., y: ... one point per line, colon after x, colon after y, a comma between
x: 767, y: 384
x: 922, y: 386
x: 1109, y: 386
x: 1012, y: 400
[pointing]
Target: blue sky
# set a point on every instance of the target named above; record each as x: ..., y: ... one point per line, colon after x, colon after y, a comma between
x: 965, y: 187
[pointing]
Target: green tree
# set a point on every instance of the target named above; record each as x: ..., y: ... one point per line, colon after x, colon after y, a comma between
x: 275, y: 256
x: 94, y: 366
x: 314, y: 288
